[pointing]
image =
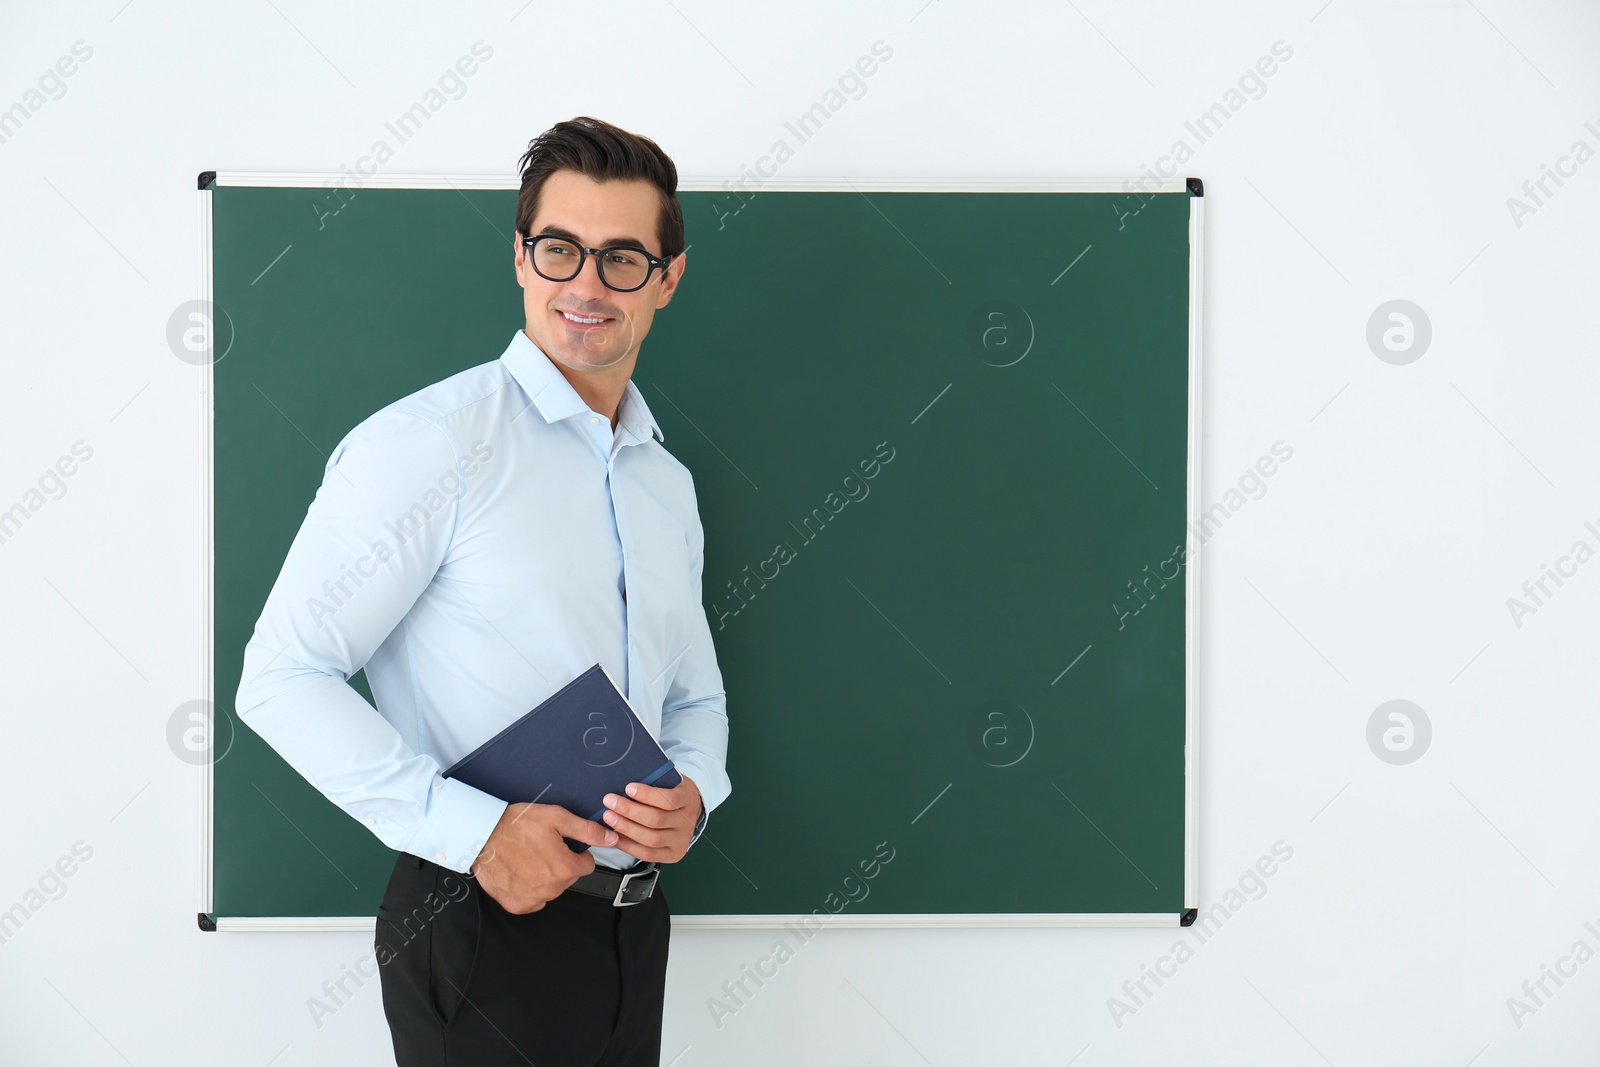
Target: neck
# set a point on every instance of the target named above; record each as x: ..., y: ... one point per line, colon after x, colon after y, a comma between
x: 601, y: 389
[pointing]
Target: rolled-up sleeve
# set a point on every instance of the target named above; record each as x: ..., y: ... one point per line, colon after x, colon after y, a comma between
x: 348, y: 581
x: 694, y: 717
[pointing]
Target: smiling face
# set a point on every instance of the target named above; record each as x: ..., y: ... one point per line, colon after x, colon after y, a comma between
x: 595, y: 215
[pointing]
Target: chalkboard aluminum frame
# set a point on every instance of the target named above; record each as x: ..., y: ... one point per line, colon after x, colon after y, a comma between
x: 209, y: 180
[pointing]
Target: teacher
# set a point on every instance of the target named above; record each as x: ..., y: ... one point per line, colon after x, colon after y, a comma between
x: 473, y: 547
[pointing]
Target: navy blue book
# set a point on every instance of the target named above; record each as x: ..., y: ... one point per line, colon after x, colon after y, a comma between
x: 573, y: 749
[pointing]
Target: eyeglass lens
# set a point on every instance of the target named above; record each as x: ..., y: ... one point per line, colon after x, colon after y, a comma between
x: 558, y: 260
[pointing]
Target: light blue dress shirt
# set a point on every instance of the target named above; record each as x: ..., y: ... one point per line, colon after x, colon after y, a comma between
x: 475, y: 546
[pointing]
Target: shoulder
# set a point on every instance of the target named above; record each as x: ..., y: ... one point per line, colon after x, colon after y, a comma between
x: 432, y: 414
x: 456, y: 396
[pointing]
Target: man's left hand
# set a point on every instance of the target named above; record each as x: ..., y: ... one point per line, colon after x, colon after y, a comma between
x: 655, y: 824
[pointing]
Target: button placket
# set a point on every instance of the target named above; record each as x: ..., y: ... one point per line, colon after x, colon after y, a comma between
x: 618, y: 513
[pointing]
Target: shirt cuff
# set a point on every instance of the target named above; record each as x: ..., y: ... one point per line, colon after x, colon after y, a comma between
x: 708, y: 774
x: 700, y: 824
x: 459, y: 821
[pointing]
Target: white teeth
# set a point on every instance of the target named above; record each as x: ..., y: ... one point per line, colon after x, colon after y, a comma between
x: 576, y: 318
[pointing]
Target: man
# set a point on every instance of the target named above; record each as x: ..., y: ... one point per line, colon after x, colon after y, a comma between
x: 475, y: 546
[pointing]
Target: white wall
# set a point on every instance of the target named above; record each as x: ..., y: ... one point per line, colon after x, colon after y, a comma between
x: 1376, y: 165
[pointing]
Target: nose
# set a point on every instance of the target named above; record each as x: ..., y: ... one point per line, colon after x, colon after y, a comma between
x: 586, y: 283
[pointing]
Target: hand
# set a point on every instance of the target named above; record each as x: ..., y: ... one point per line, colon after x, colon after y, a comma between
x: 525, y: 862
x: 657, y: 823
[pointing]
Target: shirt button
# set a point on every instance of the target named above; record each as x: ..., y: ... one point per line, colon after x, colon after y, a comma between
x: 439, y: 856
x: 371, y: 821
x: 593, y: 421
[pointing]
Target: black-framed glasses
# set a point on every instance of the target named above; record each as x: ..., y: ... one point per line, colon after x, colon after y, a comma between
x: 622, y: 268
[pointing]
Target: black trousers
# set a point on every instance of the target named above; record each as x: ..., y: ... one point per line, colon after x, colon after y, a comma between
x: 578, y: 983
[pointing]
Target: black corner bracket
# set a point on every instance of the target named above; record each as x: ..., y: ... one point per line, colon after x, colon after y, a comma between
x: 1188, y: 917
x: 207, y: 177
x: 1196, y: 187
x: 207, y: 923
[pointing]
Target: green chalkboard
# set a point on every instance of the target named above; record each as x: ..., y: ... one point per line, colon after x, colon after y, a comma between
x: 956, y: 688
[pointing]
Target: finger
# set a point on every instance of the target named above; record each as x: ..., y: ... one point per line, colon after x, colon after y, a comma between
x: 642, y: 851
x: 655, y: 796
x: 644, y: 814
x: 585, y: 862
x: 646, y: 835
x: 583, y: 830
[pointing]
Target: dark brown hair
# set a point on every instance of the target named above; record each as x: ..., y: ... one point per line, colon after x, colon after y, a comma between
x: 601, y: 152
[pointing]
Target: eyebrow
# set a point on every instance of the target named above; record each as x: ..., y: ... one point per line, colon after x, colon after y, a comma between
x: 607, y: 243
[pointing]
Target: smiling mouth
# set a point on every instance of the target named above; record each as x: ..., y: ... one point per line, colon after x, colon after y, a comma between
x: 583, y: 321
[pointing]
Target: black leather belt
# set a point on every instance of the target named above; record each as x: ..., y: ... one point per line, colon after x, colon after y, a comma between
x: 621, y: 887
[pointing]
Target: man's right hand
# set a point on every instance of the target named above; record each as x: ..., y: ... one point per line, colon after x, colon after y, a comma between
x: 525, y: 862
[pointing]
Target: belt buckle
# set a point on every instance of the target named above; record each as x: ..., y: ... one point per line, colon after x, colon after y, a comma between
x: 622, y: 887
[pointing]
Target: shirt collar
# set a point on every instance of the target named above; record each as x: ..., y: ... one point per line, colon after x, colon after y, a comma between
x: 555, y: 398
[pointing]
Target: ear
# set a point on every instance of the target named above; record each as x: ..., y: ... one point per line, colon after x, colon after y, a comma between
x: 675, y: 270
x: 517, y: 260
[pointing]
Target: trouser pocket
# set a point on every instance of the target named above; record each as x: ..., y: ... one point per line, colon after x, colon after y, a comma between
x: 426, y: 942
x: 457, y: 935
